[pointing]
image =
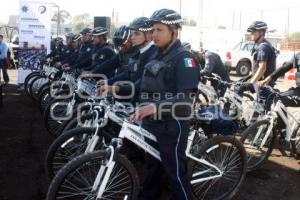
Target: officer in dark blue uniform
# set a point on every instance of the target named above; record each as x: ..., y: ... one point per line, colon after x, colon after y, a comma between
x: 56, y: 53
x: 141, y: 38
x: 264, y: 59
x: 84, y: 58
x: 168, y: 83
x: 122, y: 42
x: 67, y: 50
x: 290, y: 98
x: 71, y: 60
x: 264, y: 54
x: 86, y: 48
x: 102, y: 50
x: 212, y: 63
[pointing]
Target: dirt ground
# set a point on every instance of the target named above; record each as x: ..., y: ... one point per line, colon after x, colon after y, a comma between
x: 24, y: 143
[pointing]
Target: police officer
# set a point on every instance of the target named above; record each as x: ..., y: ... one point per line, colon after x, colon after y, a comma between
x: 56, y: 52
x: 67, y: 50
x: 167, y: 84
x: 71, y: 60
x: 102, y: 50
x: 264, y: 54
x: 264, y: 60
x: 122, y: 42
x: 84, y: 58
x: 142, y: 39
x: 292, y: 96
x: 212, y: 63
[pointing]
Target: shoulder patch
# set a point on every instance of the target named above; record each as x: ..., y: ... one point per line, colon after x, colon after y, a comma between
x: 102, y: 56
x: 189, y: 62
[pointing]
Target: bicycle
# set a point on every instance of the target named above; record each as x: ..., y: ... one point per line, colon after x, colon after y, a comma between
x: 259, y: 138
x: 217, y: 168
x: 244, y: 109
x: 78, y: 139
x: 62, y: 108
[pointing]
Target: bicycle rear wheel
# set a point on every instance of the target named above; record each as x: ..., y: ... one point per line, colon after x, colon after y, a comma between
x: 28, y: 80
x: 44, y: 99
x: 226, y: 153
x: 54, y: 115
x: 67, y: 146
x: 35, y: 86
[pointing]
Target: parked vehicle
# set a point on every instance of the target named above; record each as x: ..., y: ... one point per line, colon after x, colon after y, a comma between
x: 239, y: 58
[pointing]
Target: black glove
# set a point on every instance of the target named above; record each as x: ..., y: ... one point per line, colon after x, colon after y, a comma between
x: 247, y: 87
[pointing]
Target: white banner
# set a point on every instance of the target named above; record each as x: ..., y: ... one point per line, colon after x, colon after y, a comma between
x: 34, y: 36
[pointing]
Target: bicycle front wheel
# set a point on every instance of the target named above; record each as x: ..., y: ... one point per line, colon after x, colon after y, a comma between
x: 229, y: 156
x: 75, y: 180
x: 252, y: 139
x: 66, y: 147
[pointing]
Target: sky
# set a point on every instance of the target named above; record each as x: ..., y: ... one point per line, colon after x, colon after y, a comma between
x: 234, y: 14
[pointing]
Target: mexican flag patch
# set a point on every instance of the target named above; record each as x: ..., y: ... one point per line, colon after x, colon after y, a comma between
x: 189, y: 62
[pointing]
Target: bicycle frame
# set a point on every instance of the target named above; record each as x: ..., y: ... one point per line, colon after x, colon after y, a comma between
x: 238, y: 101
x: 233, y: 97
x: 137, y: 135
x: 279, y: 110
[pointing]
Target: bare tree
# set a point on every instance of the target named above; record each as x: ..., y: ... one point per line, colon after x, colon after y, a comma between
x: 294, y: 37
x: 82, y: 21
x: 63, y: 16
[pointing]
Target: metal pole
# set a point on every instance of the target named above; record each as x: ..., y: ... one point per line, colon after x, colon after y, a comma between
x: 200, y: 23
x: 180, y: 7
x: 233, y: 16
x: 58, y: 21
x: 240, y: 20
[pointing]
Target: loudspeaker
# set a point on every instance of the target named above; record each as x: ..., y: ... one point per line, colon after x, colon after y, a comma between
x: 102, y: 21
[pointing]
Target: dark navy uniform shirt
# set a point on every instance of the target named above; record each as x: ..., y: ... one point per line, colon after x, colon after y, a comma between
x: 134, y: 71
x: 66, y: 52
x: 84, y: 58
x: 214, y: 64
x: 265, y: 52
x: 72, y: 58
x: 116, y: 62
x: 57, y: 53
x: 169, y: 78
x: 101, y: 54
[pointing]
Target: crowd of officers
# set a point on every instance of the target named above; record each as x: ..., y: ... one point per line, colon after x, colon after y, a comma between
x: 165, y: 73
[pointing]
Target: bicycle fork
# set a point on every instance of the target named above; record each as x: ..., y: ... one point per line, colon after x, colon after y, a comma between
x: 260, y: 130
x: 218, y: 175
x: 104, y: 173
